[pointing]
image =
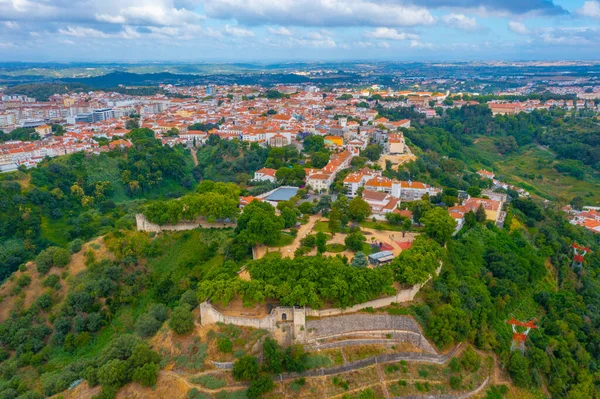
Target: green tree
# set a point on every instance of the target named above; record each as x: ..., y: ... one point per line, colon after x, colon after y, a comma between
x: 439, y: 225
x: 260, y: 224
x: 289, y: 217
x: 246, y: 368
x: 360, y: 260
x: 224, y: 345
x: 272, y: 356
x: 416, y: 264
x: 182, y: 320
x: 189, y: 297
x: 321, y: 242
x: 518, y: 367
x: 373, y: 152
x: 113, y: 373
x: 474, y: 191
x: 577, y: 203
x: 480, y: 214
x: 146, y: 374
x: 354, y: 241
x: 147, y: 326
x: 406, y: 226
x: 419, y: 208
x: 358, y: 209
x: 319, y: 159
x: 61, y: 257
x: 260, y: 385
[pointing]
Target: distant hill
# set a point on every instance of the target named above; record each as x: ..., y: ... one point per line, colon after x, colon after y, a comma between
x: 42, y: 91
x: 114, y: 79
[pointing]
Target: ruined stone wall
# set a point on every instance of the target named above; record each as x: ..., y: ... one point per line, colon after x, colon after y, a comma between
x: 209, y: 315
x: 143, y: 224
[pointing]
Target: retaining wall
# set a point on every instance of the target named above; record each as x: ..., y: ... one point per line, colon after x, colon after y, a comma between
x: 143, y: 224
x: 465, y: 395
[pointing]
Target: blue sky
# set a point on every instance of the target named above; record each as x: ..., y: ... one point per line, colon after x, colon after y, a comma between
x: 279, y: 30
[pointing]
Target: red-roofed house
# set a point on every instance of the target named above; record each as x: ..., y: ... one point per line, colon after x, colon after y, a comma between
x: 265, y: 174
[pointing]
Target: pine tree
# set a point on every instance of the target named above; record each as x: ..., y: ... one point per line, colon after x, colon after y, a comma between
x: 480, y: 214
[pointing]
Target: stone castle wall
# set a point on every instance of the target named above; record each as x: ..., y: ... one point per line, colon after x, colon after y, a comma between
x: 143, y: 224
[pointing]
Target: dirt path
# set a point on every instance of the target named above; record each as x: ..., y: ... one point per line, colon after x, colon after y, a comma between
x: 389, y: 237
x: 288, y: 250
x: 194, y: 156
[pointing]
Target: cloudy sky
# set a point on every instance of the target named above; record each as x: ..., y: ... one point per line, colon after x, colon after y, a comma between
x: 271, y: 30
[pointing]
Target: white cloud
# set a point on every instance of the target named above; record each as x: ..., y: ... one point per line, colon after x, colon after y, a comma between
x: 11, y: 24
x: 128, y: 33
x: 420, y: 44
x: 391, y: 34
x: 132, y: 12
x: 461, y: 22
x: 281, y: 31
x: 150, y: 13
x: 238, y: 32
x: 518, y: 28
x: 319, y: 12
x: 80, y: 31
x: 590, y: 9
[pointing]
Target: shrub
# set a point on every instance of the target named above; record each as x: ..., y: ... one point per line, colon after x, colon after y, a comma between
x: 147, y: 326
x: 61, y: 257
x: 158, y: 311
x: 51, y: 281
x: 182, y: 320
x: 297, y: 384
x: 260, y: 385
x: 245, y: 368
x: 189, y: 298
x: 146, y: 374
x: 455, y: 382
x: 210, y: 382
x: 225, y: 345
x: 24, y: 280
x: 470, y: 360
x: 44, y: 261
x: 75, y: 245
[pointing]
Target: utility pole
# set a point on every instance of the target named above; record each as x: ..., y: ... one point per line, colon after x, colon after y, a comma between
x: 520, y: 335
x: 579, y: 253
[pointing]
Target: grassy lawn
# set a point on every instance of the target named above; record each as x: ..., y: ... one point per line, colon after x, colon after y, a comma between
x: 322, y: 227
x: 286, y: 239
x: 272, y: 255
x: 335, y: 248
x: 369, y: 224
x: 54, y: 230
x: 184, y: 254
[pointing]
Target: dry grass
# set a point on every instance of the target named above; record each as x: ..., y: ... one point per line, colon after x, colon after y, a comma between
x: 30, y: 293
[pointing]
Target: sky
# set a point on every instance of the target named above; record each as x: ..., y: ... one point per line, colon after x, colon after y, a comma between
x: 298, y: 30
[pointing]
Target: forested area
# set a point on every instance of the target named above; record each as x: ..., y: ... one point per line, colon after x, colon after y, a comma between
x: 525, y: 272
x: 303, y: 281
x: 213, y: 201
x: 80, y: 196
x: 530, y: 150
x: 229, y: 161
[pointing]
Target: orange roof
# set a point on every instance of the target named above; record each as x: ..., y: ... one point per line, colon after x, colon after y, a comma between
x: 379, y: 182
